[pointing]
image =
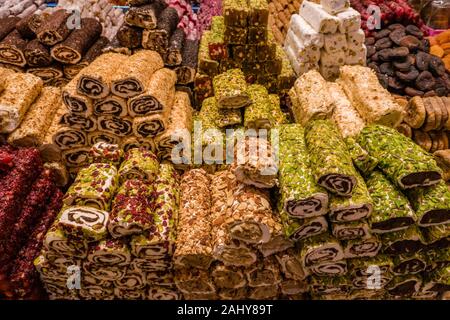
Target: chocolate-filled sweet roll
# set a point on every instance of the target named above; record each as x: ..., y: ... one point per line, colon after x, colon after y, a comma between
x: 158, y: 96
x: 94, y: 80
x: 76, y: 103
x: 121, y: 127
x: 133, y: 142
x: 110, y: 253
x: 28, y: 26
x: 151, y: 126
x: 320, y: 249
x: 77, y: 157
x: 72, y: 49
x: 58, y: 82
x: 78, y: 122
x: 71, y: 70
x: 145, y: 16
x: 158, y: 39
x: 112, y: 105
x: 162, y: 293
x: 47, y: 74
x: 7, y: 25
x: 98, y: 136
x: 186, y: 72
x: 129, y: 36
x: 69, y: 138
x: 175, y: 48
x: 133, y: 77
x: 37, y: 55
x: 54, y: 28
x: 12, y: 48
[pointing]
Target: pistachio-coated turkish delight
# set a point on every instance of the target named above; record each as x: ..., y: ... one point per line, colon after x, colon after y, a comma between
x: 139, y: 163
x: 230, y: 89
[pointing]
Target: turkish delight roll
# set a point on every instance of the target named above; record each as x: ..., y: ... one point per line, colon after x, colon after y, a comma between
x: 188, y: 68
x: 159, y: 242
x: 152, y: 125
x: 7, y: 25
x: 230, y: 89
x: 133, y: 279
x: 94, y: 186
x: 368, y: 246
x: 119, y: 126
x: 362, y: 160
x: 162, y: 293
x: 211, y: 113
x: 47, y: 74
x: 129, y: 36
x: 20, y: 92
x: 193, y: 244
x: 320, y: 249
x: 37, y: 120
x: 401, y: 160
x: 409, y: 264
x: 264, y: 273
x: 66, y: 138
x: 217, y: 47
x: 72, y: 49
x: 37, y: 55
x: 61, y: 175
x: 139, y: 164
x: 94, y: 80
x: 158, y: 39
x: 194, y: 281
x: 57, y: 241
x: 438, y: 236
x: 75, y: 102
x: 133, y: 142
x: 103, y: 152
x: 114, y: 46
x: 12, y: 49
x: 75, y: 158
x: 371, y: 100
x: 344, y: 114
x: 54, y: 28
x: 71, y: 70
x: 404, y: 286
x: 331, y: 161
x: 145, y: 16
x: 152, y: 265
x: 320, y: 20
x: 350, y: 230
x: 330, y: 269
x: 258, y: 115
x: 158, y: 96
x: 112, y: 105
x: 357, y: 207
x: 298, y: 229
x: 392, y: 210
x: 133, y: 77
x: 97, y: 136
x: 263, y: 292
x: 405, y: 241
x: 110, y: 253
x: 228, y: 277
x: 175, y: 48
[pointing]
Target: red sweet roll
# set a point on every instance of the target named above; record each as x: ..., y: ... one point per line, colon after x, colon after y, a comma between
x: 6, y: 159
x: 24, y: 277
x: 41, y: 192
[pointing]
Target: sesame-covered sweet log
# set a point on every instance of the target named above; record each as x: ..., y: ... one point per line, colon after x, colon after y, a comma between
x: 20, y: 92
x: 36, y: 54
x: 72, y: 49
x: 139, y: 163
x: 48, y: 74
x: 158, y: 39
x: 175, y: 48
x: 356, y: 207
x: 330, y: 159
x: 37, y: 120
x: 152, y: 125
x: 12, y: 49
x: 159, y: 241
x: 230, y: 89
x: 301, y: 197
x: 158, y: 95
x: 194, y: 243
x: 391, y: 209
x: 431, y: 204
x: 145, y: 16
x: 187, y: 70
x: 94, y: 187
x: 400, y: 159
x: 55, y: 28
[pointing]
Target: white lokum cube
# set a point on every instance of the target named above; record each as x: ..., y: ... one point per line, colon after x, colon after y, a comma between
x: 349, y: 20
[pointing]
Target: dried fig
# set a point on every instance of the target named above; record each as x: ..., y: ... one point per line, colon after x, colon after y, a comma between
x: 385, y: 54
x: 411, y: 42
x: 409, y: 76
x: 381, y: 34
x: 383, y: 43
x: 414, y: 31
x: 404, y: 129
x: 370, y: 41
x: 395, y: 26
x: 415, y: 112
x: 425, y: 81
x: 441, y: 91
x: 373, y: 66
x: 371, y: 50
x: 422, y: 139
x: 422, y: 60
x: 413, y: 92
x: 375, y: 57
x: 426, y: 45
x: 430, y: 93
x: 395, y: 84
x: 437, y: 66
x: 387, y: 68
x: 405, y: 64
x: 399, y: 52
x: 384, y: 80
x: 397, y: 35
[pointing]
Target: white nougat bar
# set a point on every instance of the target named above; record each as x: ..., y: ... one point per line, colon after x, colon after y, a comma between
x: 337, y: 58
x: 318, y: 18
x: 299, y: 68
x: 349, y: 20
x: 335, y: 42
x: 355, y: 39
x: 335, y: 6
x: 305, y: 32
x: 356, y: 56
x: 304, y: 53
